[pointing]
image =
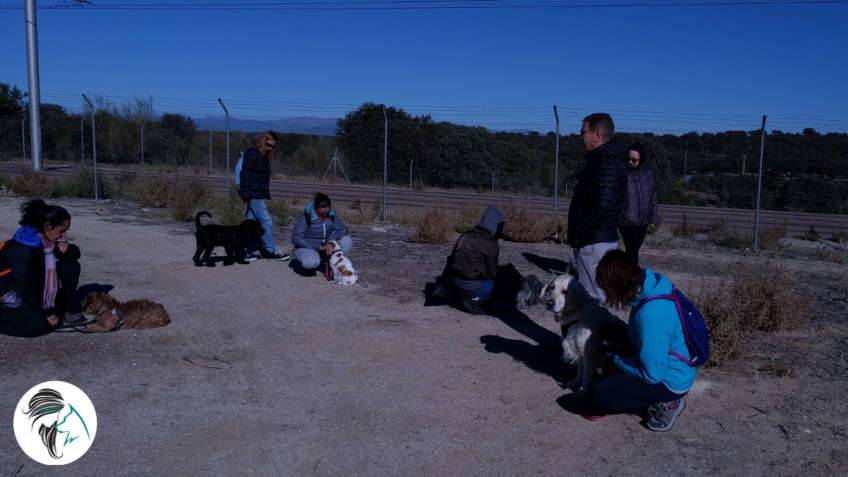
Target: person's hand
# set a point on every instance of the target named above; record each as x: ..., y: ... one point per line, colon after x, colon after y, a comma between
x: 652, y: 228
x: 53, y: 320
x: 62, y: 245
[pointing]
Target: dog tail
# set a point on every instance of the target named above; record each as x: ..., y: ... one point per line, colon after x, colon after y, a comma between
x: 199, y: 215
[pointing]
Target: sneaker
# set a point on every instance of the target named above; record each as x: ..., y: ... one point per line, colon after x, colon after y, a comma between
x: 74, y: 319
x: 251, y: 257
x: 662, y: 415
x: 473, y: 306
x: 282, y: 257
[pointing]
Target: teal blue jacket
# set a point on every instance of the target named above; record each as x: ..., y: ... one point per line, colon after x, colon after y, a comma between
x: 655, y: 330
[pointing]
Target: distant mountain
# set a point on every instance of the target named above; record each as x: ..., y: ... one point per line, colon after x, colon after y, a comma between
x: 301, y: 125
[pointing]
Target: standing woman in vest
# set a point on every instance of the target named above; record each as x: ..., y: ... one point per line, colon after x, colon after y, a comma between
x: 40, y: 273
x: 655, y: 378
x: 640, y: 211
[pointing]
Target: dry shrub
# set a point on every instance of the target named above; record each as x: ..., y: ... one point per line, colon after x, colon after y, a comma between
x: 153, y: 192
x: 362, y: 213
x: 227, y: 212
x: 467, y: 218
x: 281, y: 211
x: 524, y: 225
x: 753, y: 299
x: 558, y: 229
x: 80, y: 184
x: 434, y: 227
x: 184, y: 199
x: 723, y: 234
x: 32, y: 184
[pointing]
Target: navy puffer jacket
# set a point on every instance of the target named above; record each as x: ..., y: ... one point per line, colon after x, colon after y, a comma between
x: 599, y: 197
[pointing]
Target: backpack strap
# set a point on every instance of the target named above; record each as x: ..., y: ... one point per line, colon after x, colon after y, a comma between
x: 673, y: 297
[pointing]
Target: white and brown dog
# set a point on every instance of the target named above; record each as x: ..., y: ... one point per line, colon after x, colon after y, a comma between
x: 585, y: 325
x: 343, y: 271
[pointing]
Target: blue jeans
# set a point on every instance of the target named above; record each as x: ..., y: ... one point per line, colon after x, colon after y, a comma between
x: 623, y: 393
x: 257, y: 209
x: 310, y: 259
x: 481, y: 289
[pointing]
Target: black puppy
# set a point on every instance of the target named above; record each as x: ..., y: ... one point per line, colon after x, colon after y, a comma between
x: 232, y: 237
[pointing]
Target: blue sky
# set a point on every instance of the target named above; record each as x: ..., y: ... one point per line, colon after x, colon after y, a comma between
x: 669, y: 69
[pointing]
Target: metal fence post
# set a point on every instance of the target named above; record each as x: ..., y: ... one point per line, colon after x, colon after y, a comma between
x: 93, y: 147
x: 34, y: 83
x: 142, y: 143
x: 556, y: 161
x: 759, y: 186
x: 385, y: 159
x: 227, y: 114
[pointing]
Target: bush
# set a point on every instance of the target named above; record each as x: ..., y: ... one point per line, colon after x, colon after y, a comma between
x: 467, y: 218
x: 723, y: 234
x: 523, y: 225
x: 184, y: 199
x: 227, y: 212
x: 79, y: 184
x: 153, y: 192
x: 32, y: 184
x: 434, y: 227
x: 753, y: 299
x: 281, y: 211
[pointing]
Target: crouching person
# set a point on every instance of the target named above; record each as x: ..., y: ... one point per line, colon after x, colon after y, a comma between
x: 315, y: 226
x: 473, y: 265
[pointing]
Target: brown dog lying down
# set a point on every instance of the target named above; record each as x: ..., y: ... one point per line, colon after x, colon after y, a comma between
x: 112, y: 315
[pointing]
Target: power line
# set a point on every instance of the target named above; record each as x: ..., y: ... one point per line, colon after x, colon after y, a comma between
x: 416, y: 5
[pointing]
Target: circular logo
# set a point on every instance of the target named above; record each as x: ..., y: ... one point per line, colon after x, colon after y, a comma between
x: 55, y: 423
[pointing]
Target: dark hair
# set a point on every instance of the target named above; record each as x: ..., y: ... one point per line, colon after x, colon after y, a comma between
x: 620, y: 277
x: 602, y: 122
x: 44, y: 403
x: 640, y: 148
x: 321, y: 199
x: 36, y: 213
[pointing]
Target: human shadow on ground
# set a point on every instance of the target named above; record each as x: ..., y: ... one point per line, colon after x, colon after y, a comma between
x: 548, y: 265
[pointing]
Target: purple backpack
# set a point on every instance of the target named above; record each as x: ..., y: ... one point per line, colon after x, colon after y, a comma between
x: 694, y: 328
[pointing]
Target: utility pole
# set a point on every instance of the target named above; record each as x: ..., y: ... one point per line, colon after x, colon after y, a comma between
x: 34, y: 83
x: 759, y: 186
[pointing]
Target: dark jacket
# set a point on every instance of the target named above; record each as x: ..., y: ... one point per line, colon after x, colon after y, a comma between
x: 24, y: 255
x: 641, y: 204
x: 475, y: 255
x: 255, y: 176
x: 310, y: 231
x: 598, y: 199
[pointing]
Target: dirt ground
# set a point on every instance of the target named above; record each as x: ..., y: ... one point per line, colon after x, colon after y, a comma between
x: 266, y: 372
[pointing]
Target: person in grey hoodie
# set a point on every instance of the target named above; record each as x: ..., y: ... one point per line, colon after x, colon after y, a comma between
x: 314, y: 227
x: 473, y: 264
x: 640, y: 210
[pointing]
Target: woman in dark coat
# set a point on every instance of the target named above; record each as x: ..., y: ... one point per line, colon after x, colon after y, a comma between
x: 39, y: 273
x: 640, y: 211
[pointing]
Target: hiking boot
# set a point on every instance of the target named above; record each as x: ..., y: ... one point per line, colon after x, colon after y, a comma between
x: 282, y: 257
x: 662, y: 415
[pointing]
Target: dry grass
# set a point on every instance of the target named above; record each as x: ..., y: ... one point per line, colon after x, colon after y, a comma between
x: 523, y: 225
x: 723, y: 234
x: 434, y: 227
x: 753, y: 299
x: 80, y: 185
x: 282, y: 211
x: 32, y: 184
x: 184, y: 200
x: 226, y: 212
x: 153, y: 192
x: 467, y: 218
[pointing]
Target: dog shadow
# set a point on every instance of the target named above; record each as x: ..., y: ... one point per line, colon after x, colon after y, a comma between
x: 214, y: 261
x: 548, y: 265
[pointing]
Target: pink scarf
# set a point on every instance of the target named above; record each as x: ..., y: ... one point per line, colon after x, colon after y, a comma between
x: 51, y: 282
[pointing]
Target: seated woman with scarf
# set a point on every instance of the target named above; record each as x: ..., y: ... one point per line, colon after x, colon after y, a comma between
x: 39, y: 273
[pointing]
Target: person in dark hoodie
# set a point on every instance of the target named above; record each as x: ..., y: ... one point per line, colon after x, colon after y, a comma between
x: 314, y: 227
x: 39, y: 273
x: 640, y: 212
x: 254, y: 190
x: 473, y: 264
x: 598, y: 199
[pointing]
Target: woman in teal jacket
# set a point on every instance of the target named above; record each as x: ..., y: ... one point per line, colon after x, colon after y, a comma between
x: 654, y: 379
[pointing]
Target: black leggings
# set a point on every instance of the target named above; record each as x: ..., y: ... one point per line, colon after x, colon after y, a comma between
x: 633, y: 236
x: 28, y: 321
